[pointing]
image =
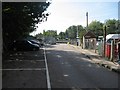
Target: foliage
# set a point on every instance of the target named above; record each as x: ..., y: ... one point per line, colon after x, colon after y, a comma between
x: 72, y: 32
x: 113, y: 26
x: 39, y: 36
x: 20, y: 18
x: 62, y: 35
x: 81, y: 34
x: 96, y: 27
x: 50, y: 33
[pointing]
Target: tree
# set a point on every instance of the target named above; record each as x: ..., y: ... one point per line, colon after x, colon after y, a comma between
x: 39, y: 36
x: 82, y: 31
x: 62, y: 35
x: 50, y: 33
x: 112, y: 26
x: 96, y: 27
x: 72, y: 31
x: 20, y: 18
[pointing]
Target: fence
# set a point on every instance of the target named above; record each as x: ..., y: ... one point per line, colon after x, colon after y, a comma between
x: 112, y: 51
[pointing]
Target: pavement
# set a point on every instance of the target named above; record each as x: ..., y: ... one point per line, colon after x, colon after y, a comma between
x: 97, y: 59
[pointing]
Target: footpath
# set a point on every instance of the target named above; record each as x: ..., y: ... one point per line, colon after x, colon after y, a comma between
x: 97, y: 59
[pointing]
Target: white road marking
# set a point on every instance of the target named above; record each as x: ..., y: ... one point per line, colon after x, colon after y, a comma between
x: 58, y: 56
x: 47, y: 72
x: 25, y: 60
x: 65, y: 75
x: 24, y: 69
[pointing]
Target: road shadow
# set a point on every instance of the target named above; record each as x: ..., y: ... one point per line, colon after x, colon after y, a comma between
x: 24, y: 69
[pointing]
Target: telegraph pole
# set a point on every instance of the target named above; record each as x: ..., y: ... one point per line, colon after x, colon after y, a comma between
x: 87, y: 19
x: 104, y: 30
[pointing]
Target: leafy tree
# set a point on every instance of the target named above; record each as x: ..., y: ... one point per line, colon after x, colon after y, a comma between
x: 72, y: 32
x: 39, y: 36
x: 20, y: 18
x: 82, y: 31
x: 62, y: 35
x: 50, y: 33
x: 96, y: 27
x: 112, y: 26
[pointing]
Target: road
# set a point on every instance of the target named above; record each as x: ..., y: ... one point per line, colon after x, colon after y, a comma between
x: 56, y: 66
x: 69, y: 68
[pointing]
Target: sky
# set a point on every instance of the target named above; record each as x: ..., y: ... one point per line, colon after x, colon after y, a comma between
x: 65, y: 13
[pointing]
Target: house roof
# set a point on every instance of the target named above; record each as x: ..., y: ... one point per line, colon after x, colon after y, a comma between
x: 89, y: 35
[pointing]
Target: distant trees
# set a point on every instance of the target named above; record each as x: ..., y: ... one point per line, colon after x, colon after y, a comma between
x: 50, y: 33
x: 113, y: 26
x: 39, y: 36
x: 62, y: 35
x: 20, y: 18
x: 72, y: 31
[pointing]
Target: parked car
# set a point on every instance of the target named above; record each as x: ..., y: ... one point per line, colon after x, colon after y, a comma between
x: 21, y: 45
x: 35, y: 42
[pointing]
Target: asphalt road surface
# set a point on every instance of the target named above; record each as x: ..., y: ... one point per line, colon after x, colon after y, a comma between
x: 69, y: 68
x: 24, y: 69
x: 56, y: 66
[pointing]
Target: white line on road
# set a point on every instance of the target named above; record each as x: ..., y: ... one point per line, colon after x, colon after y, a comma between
x: 32, y: 69
x: 24, y: 60
x: 47, y: 72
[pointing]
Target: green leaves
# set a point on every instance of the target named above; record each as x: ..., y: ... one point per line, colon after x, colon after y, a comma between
x: 50, y: 33
x: 62, y: 35
x: 112, y: 26
x: 72, y: 31
x: 20, y: 18
x: 23, y: 14
x: 96, y: 27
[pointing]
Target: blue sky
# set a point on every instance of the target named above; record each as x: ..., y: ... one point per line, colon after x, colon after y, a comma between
x: 73, y: 12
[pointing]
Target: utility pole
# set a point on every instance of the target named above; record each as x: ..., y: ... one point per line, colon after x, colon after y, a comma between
x: 104, y: 30
x: 87, y: 19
